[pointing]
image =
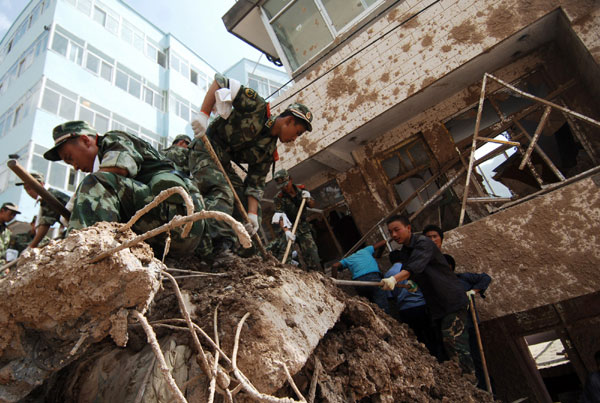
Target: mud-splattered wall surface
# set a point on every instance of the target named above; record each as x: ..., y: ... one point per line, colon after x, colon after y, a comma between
x: 539, y: 252
x: 420, y: 43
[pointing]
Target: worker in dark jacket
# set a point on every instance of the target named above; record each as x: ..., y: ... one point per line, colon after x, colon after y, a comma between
x: 473, y: 284
x: 423, y: 262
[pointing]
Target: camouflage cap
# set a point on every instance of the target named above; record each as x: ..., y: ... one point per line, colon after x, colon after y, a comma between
x: 11, y: 206
x: 39, y: 177
x: 182, y: 137
x: 281, y: 178
x: 66, y: 131
x: 302, y: 112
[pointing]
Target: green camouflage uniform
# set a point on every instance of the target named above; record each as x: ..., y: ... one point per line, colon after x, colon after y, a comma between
x: 105, y: 196
x: 179, y: 156
x: 4, y: 242
x: 244, y: 137
x: 455, y: 337
x: 285, y: 203
x: 20, y: 241
x: 47, y: 215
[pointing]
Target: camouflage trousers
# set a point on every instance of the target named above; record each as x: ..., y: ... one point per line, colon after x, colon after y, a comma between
x: 105, y: 196
x: 455, y: 337
x: 214, y: 188
x: 307, y: 245
x: 216, y: 191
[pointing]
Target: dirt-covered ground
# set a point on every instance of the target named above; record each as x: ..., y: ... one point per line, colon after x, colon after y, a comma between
x: 297, y: 318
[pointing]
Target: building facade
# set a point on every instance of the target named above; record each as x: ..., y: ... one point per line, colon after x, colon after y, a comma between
x: 265, y: 80
x: 98, y: 61
x: 395, y: 89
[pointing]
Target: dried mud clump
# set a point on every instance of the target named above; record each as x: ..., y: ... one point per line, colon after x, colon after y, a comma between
x: 412, y: 22
x: 427, y: 82
x: 500, y: 21
x: 427, y: 41
x: 466, y: 33
x: 341, y: 84
x: 362, y: 98
x: 368, y: 356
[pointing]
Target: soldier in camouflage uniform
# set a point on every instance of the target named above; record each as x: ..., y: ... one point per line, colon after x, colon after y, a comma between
x: 287, y: 203
x: 22, y: 240
x: 243, y: 133
x: 47, y: 216
x: 126, y: 173
x: 178, y: 153
x: 7, y: 214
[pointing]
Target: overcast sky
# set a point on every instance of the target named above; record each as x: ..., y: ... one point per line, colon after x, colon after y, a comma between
x: 197, y: 23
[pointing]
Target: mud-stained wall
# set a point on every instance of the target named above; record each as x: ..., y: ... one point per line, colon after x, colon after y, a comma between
x: 539, y: 252
x: 442, y: 37
x: 371, y: 187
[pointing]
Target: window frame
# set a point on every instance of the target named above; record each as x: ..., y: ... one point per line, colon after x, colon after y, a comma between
x: 322, y: 10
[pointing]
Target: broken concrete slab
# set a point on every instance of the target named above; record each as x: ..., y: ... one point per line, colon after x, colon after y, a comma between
x: 54, y: 305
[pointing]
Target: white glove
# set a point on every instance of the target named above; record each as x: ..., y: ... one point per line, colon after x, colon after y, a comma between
x: 200, y: 125
x: 290, y: 236
x: 11, y: 254
x: 305, y: 194
x: 471, y: 293
x: 388, y: 283
x: 252, y: 226
x: 281, y: 216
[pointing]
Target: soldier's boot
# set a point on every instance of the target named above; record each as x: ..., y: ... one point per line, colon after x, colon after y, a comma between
x: 223, y: 252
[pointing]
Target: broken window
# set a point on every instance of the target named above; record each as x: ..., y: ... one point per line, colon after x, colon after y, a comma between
x: 507, y: 115
x: 407, y: 169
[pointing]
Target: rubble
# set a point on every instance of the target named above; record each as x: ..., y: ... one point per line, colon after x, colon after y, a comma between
x: 297, y: 320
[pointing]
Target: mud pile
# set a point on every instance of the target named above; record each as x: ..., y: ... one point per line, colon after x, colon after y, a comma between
x: 346, y: 347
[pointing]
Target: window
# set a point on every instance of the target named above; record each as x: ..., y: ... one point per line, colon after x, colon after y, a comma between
x: 134, y: 87
x: 99, y: 16
x: 194, y: 76
x: 92, y: 63
x: 121, y: 80
x: 263, y: 86
x: 18, y: 115
x: 106, y: 71
x: 179, y: 64
x: 50, y: 101
x: 85, y: 6
x: 303, y: 29
x: 59, y: 101
x: 148, y: 96
x: 60, y: 44
x: 407, y: 168
x: 99, y: 66
x: 68, y: 45
x: 342, y: 12
x: 106, y: 17
x: 132, y: 35
x: 19, y: 110
x: 180, y: 107
x: 155, y: 54
x: 67, y: 109
x: 76, y: 54
x: 57, y: 173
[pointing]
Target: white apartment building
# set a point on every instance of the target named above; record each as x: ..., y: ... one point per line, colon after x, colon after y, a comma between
x: 267, y: 81
x: 98, y: 61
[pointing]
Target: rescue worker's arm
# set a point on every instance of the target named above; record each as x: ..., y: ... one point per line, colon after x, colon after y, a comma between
x: 40, y: 233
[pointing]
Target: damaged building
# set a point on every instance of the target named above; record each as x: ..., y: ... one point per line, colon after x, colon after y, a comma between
x: 396, y: 92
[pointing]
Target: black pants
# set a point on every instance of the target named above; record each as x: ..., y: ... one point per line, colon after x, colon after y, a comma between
x: 418, y: 320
